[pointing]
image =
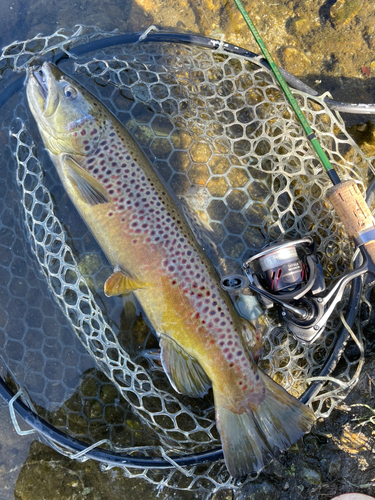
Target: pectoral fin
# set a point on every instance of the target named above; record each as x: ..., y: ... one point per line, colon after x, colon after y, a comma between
x: 121, y: 282
x: 184, y: 372
x: 88, y: 189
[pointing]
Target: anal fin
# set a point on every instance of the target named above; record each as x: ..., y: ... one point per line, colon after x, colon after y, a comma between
x: 184, y: 372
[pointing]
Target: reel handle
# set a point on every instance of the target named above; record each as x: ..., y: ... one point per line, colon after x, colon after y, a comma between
x: 354, y: 213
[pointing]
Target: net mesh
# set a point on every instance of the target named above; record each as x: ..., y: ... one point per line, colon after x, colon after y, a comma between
x: 226, y: 144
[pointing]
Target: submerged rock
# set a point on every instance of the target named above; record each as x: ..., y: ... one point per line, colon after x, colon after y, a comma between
x: 343, y: 11
x: 264, y: 491
x: 294, y: 61
x: 310, y: 475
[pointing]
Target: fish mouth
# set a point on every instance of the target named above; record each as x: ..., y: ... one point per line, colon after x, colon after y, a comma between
x: 43, y: 80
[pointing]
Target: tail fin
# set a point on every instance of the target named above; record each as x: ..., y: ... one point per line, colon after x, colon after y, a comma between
x: 251, y: 439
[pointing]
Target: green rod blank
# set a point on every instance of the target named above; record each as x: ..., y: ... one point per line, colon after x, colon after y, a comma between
x: 301, y: 117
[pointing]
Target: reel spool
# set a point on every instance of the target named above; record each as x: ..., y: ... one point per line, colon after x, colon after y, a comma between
x: 288, y: 274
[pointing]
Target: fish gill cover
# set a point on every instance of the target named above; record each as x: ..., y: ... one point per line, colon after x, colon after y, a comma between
x: 226, y: 144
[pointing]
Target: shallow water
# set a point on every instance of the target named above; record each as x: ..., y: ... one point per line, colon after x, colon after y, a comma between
x: 305, y: 39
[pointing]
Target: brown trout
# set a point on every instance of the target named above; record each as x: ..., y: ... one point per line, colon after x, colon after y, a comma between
x: 154, y: 253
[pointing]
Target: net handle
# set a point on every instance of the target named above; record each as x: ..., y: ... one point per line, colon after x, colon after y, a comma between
x: 354, y: 213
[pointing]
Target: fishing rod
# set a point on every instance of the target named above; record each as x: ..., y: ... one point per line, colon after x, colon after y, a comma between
x: 287, y: 273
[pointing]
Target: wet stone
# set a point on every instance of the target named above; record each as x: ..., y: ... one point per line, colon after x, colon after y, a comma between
x: 334, y: 467
x: 236, y: 199
x: 233, y: 246
x: 161, y: 126
x: 295, y: 61
x: 218, y: 232
x: 275, y: 470
x: 253, y: 238
x: 181, y: 139
x: 217, y: 209
x: 235, y: 223
x: 258, y: 191
x: 343, y: 11
x: 217, y: 186
x: 200, y: 152
x: 299, y: 26
x: 311, y: 476
x: 219, y: 165
x: 238, y: 177
x: 223, y: 495
x: 89, y: 387
x: 264, y: 491
x: 199, y: 174
x: 180, y: 161
x: 161, y: 148
x: 94, y: 410
x: 142, y: 113
x: 256, y: 213
x: 108, y: 393
x: 143, y: 135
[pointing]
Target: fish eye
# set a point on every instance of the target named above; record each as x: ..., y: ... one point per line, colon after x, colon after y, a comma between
x: 70, y: 92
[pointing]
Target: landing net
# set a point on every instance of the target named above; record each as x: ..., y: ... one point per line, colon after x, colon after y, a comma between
x: 220, y: 134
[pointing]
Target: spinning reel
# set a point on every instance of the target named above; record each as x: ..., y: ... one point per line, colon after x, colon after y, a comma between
x: 288, y: 274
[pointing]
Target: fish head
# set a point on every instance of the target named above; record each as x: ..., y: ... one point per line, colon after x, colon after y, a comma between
x: 66, y: 113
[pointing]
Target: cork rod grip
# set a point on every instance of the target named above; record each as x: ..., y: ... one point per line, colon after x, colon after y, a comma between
x: 353, y: 211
